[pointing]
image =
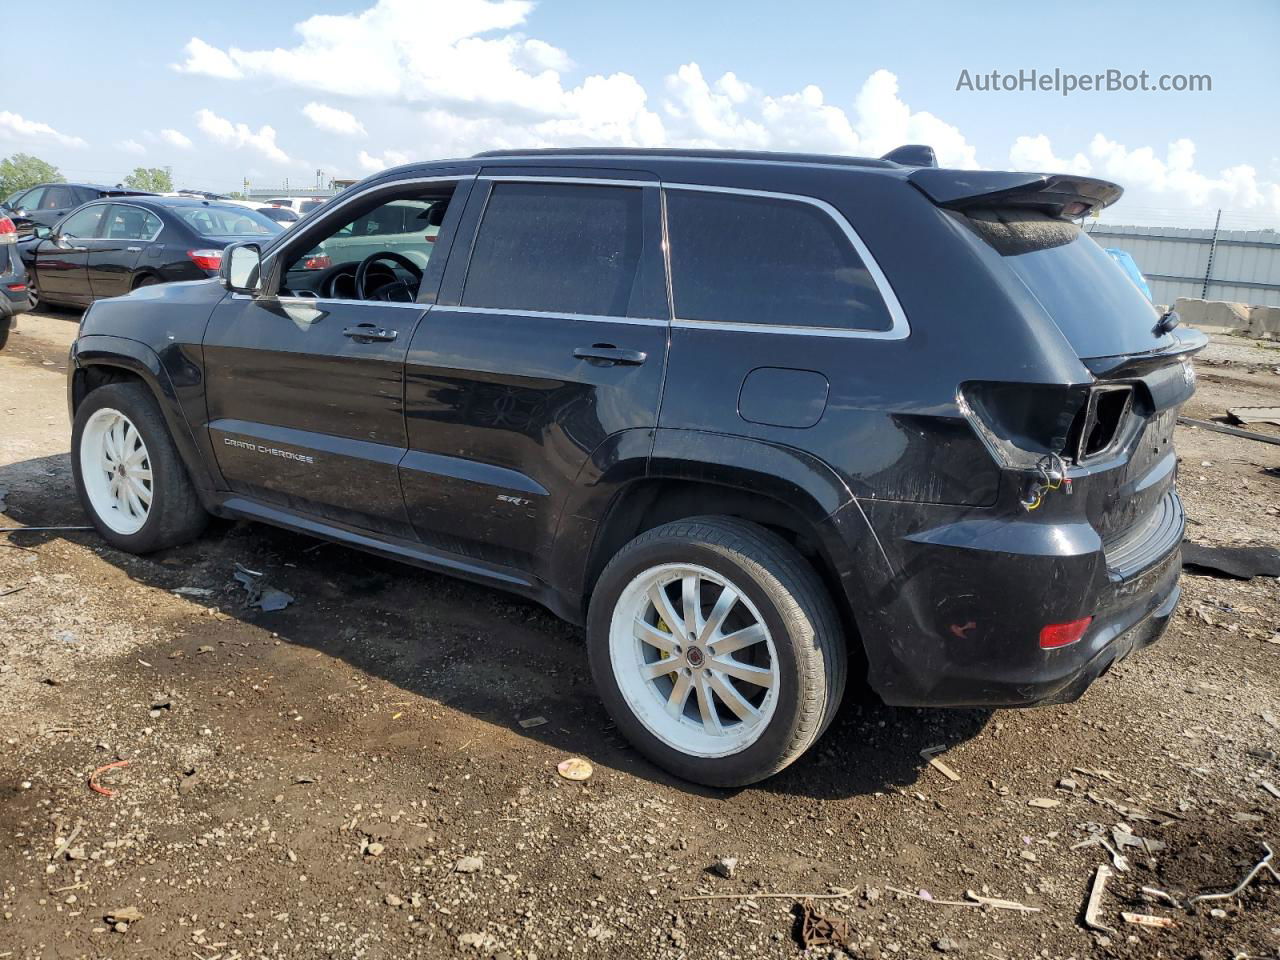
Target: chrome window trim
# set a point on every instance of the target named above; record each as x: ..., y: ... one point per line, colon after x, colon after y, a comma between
x: 312, y: 301
x: 900, y: 329
x: 550, y: 160
x: 552, y: 314
x: 591, y: 181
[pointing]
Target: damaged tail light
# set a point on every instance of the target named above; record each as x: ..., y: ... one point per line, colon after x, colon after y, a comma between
x: 1021, y: 423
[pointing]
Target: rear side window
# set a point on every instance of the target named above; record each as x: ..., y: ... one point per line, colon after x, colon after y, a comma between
x: 558, y: 248
x: 59, y: 198
x: 764, y: 260
x: 126, y: 222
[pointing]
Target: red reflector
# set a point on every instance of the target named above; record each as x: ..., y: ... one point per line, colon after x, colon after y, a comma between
x: 322, y: 262
x: 206, y: 259
x: 17, y: 287
x: 1063, y: 634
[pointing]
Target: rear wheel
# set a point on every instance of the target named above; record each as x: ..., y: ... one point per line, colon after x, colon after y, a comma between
x: 33, y: 294
x: 716, y: 650
x: 131, y: 481
x: 147, y: 280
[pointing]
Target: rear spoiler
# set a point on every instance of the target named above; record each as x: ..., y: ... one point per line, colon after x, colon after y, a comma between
x: 1060, y: 195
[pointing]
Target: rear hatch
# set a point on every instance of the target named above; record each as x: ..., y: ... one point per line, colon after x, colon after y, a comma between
x: 1113, y: 435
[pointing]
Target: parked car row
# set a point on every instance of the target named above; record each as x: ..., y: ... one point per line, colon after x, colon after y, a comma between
x: 109, y: 247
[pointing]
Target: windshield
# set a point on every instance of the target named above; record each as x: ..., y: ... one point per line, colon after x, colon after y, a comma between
x: 216, y: 220
x: 1088, y: 295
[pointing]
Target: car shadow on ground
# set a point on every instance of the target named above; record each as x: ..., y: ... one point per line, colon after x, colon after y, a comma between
x: 496, y: 657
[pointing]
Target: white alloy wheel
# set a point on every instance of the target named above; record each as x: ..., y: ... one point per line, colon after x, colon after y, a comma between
x: 694, y: 660
x: 116, y: 470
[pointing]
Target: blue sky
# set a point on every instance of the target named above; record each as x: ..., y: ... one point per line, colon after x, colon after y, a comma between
x: 193, y: 87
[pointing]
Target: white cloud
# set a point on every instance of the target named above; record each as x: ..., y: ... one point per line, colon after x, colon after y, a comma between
x: 389, y: 158
x: 208, y: 61
x: 239, y: 135
x: 176, y: 139
x: 131, y: 146
x: 334, y: 120
x: 1170, y: 180
x: 1035, y: 154
x: 446, y: 54
x: 16, y: 127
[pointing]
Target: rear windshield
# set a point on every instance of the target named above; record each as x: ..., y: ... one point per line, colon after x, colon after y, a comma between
x: 210, y: 220
x: 1095, y: 305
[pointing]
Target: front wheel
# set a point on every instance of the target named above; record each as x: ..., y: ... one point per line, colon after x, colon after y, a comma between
x: 716, y: 650
x: 130, y: 478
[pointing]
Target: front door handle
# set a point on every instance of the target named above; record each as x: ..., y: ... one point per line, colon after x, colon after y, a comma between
x: 607, y: 355
x: 368, y: 333
x: 134, y: 249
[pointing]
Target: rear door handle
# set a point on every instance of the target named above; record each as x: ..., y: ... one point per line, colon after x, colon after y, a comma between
x: 134, y: 249
x: 606, y: 354
x: 368, y: 333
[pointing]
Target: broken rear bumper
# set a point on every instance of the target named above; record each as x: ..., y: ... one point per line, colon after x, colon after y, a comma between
x: 957, y: 620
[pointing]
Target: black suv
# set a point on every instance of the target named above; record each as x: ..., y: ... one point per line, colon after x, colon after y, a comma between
x: 756, y: 420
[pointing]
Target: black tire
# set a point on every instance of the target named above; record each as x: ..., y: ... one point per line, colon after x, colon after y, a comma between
x: 6, y: 323
x: 176, y: 515
x: 146, y: 280
x: 795, y: 606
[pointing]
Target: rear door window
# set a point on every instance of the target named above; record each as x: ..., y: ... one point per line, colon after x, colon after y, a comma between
x: 560, y: 248
x: 746, y: 259
x: 58, y: 198
x: 126, y: 222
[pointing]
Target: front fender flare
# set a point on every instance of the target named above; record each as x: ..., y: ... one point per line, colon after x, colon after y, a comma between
x: 139, y: 359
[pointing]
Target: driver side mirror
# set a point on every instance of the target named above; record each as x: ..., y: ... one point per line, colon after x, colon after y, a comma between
x: 242, y: 268
x: 41, y: 232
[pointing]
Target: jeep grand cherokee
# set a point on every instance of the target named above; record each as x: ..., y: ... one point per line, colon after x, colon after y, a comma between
x: 755, y: 420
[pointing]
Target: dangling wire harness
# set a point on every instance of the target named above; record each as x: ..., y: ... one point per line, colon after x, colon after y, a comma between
x: 1051, y: 473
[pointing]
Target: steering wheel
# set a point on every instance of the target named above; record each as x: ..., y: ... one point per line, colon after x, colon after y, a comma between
x: 399, y: 286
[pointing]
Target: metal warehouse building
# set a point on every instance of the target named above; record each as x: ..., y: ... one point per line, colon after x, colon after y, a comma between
x: 1237, y: 265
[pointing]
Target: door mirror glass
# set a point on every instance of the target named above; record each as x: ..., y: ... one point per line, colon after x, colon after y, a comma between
x: 242, y: 268
x: 41, y: 231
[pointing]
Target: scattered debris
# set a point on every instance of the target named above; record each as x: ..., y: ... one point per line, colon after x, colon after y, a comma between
x: 1242, y: 563
x: 93, y: 778
x: 1229, y: 431
x: 1254, y: 415
x: 258, y: 592
x: 1263, y: 864
x: 62, y: 847
x: 11, y: 591
x: 837, y: 893
x: 1094, y: 903
x: 575, y: 768
x: 1044, y: 803
x: 205, y: 648
x: 817, y: 930
x: 124, y: 915
x: 725, y: 867
x: 468, y: 865
x: 194, y: 592
x: 531, y: 722
x: 973, y: 900
x: 374, y: 849
x: 929, y: 753
x: 1271, y: 788
x: 1146, y: 919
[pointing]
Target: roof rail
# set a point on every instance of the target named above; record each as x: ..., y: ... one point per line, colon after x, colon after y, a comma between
x: 912, y: 155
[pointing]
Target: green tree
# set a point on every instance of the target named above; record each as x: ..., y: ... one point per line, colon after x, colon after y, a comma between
x: 155, y: 179
x: 22, y: 170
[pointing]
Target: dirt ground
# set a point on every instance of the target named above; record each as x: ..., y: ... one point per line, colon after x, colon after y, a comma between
x: 350, y: 778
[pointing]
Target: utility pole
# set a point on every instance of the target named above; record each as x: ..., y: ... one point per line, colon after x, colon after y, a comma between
x: 1213, y: 248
